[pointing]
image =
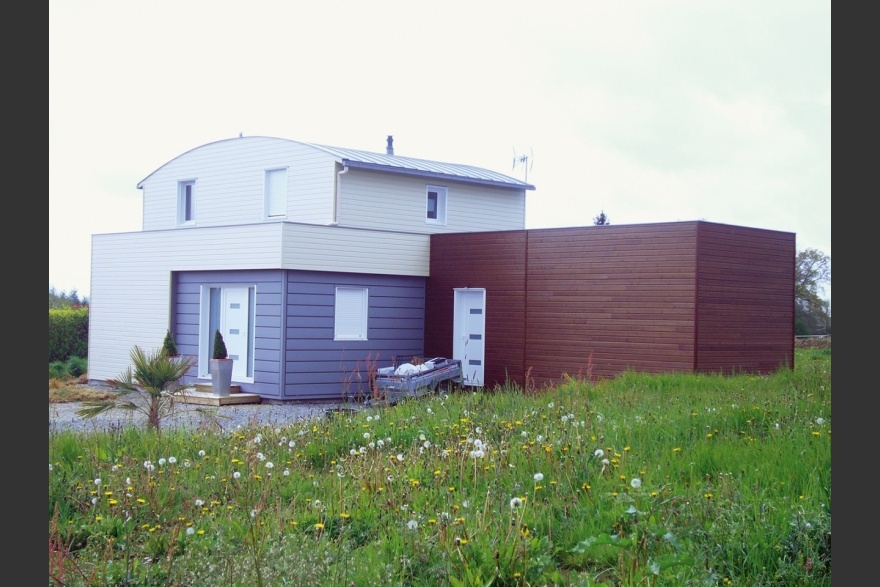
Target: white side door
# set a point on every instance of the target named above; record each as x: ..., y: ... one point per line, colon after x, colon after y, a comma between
x: 469, y: 334
x: 234, y: 327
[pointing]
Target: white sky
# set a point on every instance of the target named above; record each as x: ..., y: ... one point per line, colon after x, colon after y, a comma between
x: 653, y: 111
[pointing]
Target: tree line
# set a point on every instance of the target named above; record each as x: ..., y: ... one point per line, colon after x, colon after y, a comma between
x: 63, y: 299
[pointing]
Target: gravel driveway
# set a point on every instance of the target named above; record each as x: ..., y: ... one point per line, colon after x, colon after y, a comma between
x: 64, y: 417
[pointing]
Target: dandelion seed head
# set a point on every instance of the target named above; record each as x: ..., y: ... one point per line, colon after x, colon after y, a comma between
x: 539, y: 477
x: 236, y: 475
x: 635, y: 483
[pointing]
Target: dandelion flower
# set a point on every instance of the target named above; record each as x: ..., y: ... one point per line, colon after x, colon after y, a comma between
x: 635, y: 483
x: 366, y: 435
x: 599, y: 453
x: 270, y: 465
x: 286, y: 472
x: 539, y: 477
x: 190, y: 531
x: 162, y: 462
x: 172, y: 460
x: 201, y: 453
x: 515, y: 503
x: 236, y: 475
x: 412, y: 525
x: 199, y: 503
x: 400, y: 457
x: 98, y: 481
x: 820, y: 421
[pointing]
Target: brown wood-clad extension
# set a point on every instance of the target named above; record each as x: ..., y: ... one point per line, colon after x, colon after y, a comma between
x: 667, y: 297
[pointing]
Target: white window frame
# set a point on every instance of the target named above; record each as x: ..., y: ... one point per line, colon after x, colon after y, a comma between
x: 186, y: 210
x: 350, y: 315
x: 211, y: 318
x: 275, y: 202
x: 435, y: 212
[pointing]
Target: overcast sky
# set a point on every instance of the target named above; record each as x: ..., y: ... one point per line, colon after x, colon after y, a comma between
x: 653, y: 111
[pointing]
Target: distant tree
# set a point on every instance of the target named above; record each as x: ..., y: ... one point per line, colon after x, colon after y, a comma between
x: 63, y: 299
x: 601, y: 219
x: 812, y: 312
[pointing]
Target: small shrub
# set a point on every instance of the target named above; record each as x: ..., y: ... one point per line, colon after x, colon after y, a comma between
x: 76, y: 366
x: 169, y: 347
x: 219, y: 347
x: 57, y: 370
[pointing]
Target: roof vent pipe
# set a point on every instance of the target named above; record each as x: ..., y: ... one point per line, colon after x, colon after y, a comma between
x: 389, y: 147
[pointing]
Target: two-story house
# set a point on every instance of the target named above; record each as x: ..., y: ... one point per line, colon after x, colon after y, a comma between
x: 316, y: 262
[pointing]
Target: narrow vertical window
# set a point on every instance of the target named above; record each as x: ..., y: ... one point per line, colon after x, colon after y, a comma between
x: 435, y: 205
x: 351, y: 313
x: 186, y: 202
x: 276, y: 192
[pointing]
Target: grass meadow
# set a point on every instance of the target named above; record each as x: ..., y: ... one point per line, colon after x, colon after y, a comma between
x: 640, y: 480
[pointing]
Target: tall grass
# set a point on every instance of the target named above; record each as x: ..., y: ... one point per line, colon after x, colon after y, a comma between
x: 640, y: 480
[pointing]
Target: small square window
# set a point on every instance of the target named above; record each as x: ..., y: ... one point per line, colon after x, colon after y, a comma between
x: 435, y: 205
x: 186, y: 203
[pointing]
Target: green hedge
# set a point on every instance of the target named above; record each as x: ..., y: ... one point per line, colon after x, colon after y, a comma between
x: 68, y: 333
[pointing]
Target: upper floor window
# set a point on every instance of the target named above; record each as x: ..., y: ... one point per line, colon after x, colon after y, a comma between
x: 276, y: 192
x: 436, y: 205
x: 186, y: 202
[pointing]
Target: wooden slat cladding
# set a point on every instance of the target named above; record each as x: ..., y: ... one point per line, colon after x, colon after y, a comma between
x: 745, y: 299
x: 495, y: 261
x: 609, y: 298
x: 604, y: 299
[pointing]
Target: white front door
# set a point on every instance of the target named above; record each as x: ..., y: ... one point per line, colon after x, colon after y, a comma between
x: 469, y: 334
x: 234, y: 327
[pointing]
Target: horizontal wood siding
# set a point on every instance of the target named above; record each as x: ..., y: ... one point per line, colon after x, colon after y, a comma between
x: 494, y: 261
x: 394, y: 202
x: 745, y: 297
x: 229, y: 188
x: 319, y: 368
x: 267, y: 332
x: 333, y: 248
x: 604, y: 299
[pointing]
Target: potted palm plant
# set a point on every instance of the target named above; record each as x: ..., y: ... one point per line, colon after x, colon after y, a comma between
x: 221, y: 367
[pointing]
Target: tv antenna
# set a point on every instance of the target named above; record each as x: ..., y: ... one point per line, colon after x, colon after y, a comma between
x: 524, y: 161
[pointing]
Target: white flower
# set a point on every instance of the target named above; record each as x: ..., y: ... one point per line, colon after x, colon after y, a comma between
x: 635, y: 483
x: 362, y: 450
x: 162, y: 462
x: 477, y: 454
x: 515, y: 503
x: 291, y: 444
x: 366, y: 435
x: 270, y: 465
x: 380, y: 443
x: 352, y: 452
x: 412, y: 525
x: 599, y: 453
x: 539, y: 476
x: 98, y: 481
x: 201, y: 453
x: 172, y: 460
x: 236, y: 475
x: 199, y: 503
x: 287, y: 472
x: 190, y: 531
x: 148, y: 466
x: 479, y: 430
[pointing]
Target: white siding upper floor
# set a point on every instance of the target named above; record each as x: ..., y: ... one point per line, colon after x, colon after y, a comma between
x: 227, y: 183
x: 398, y: 202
